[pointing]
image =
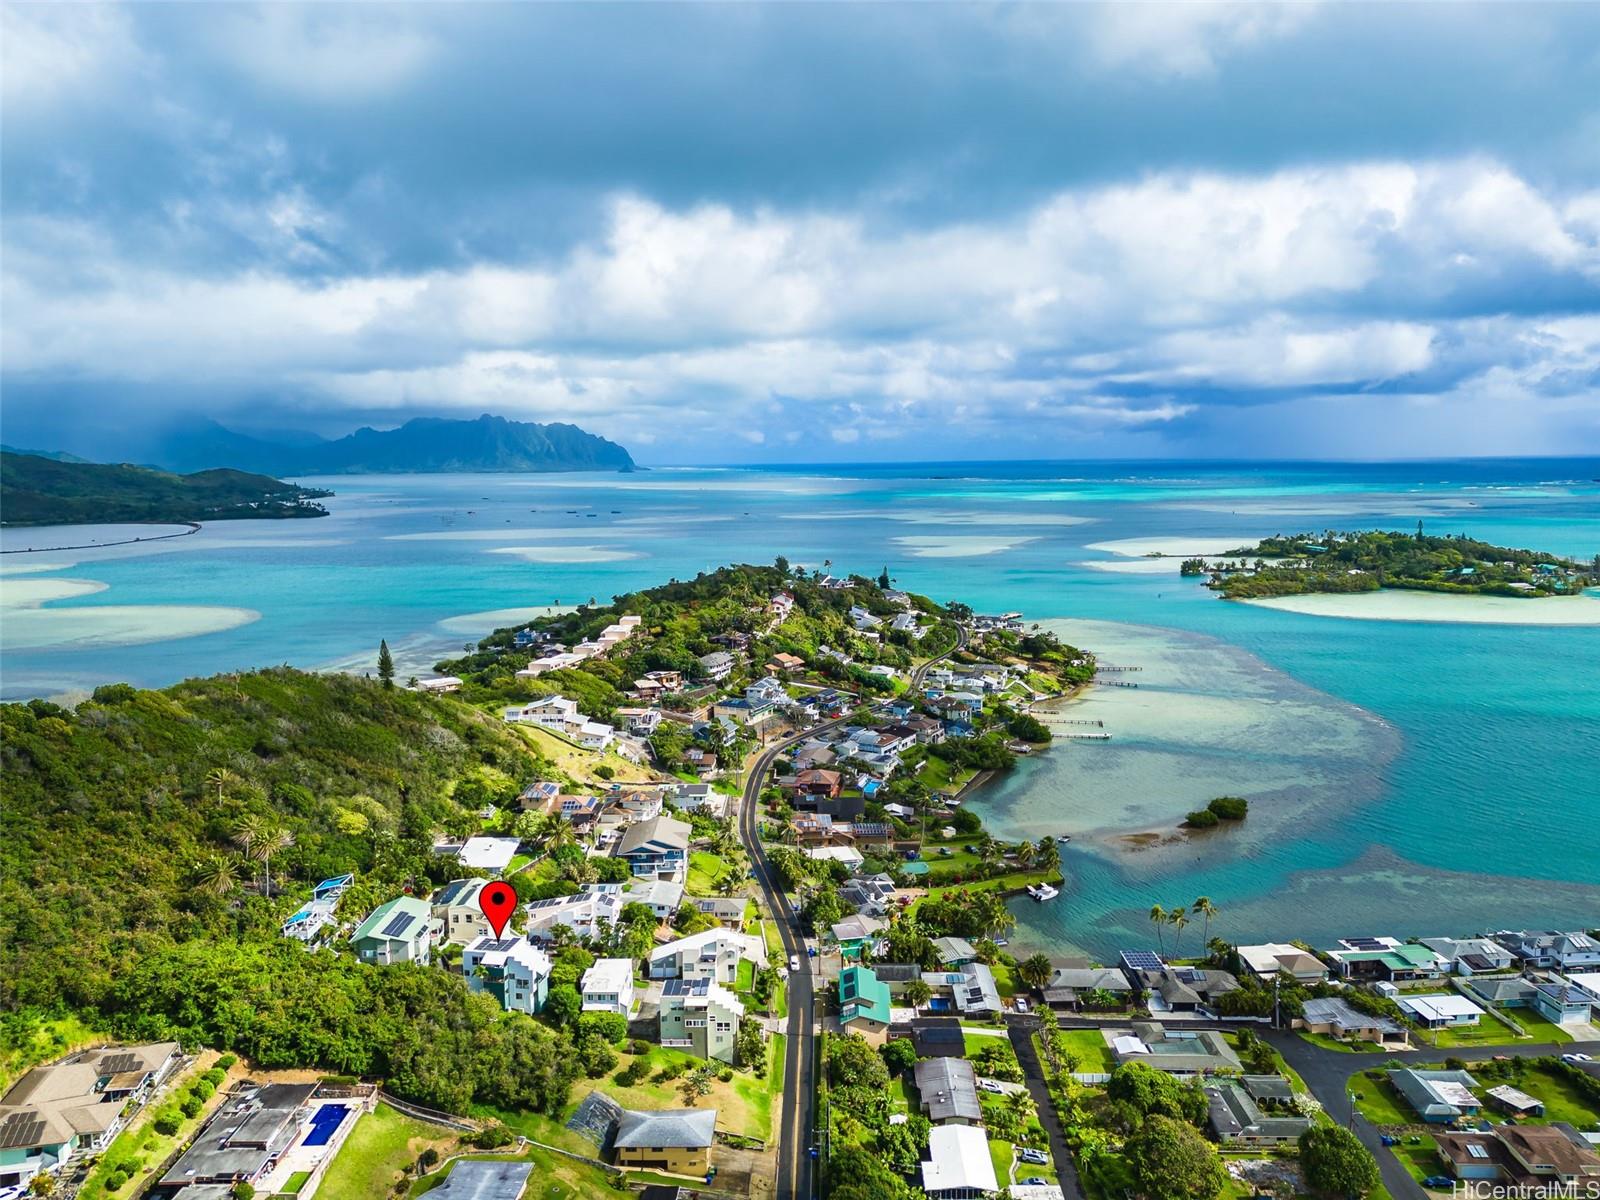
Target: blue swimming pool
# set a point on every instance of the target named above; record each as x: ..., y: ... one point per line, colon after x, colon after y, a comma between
x: 324, y: 1121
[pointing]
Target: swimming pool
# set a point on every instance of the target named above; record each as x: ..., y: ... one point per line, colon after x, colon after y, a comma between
x: 324, y: 1121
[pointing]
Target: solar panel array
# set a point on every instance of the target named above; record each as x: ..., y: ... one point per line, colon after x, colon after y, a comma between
x: 1476, y: 1150
x: 685, y: 987
x: 116, y: 1064
x: 398, y: 924
x: 553, y: 902
x: 20, y: 1129
x: 497, y: 946
x: 1364, y: 943
x: 1141, y: 960
x: 847, y: 986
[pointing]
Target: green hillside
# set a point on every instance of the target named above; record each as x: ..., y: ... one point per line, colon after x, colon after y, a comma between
x: 46, y: 491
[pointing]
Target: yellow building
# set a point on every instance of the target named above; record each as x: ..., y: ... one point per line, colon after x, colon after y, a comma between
x: 677, y: 1141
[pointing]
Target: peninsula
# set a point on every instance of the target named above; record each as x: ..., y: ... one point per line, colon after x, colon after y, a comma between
x: 44, y: 491
x: 1371, y: 560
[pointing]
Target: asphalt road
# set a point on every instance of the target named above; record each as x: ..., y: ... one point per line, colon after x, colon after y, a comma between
x: 797, y: 1121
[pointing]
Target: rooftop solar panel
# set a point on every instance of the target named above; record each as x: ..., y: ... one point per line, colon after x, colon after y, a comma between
x: 20, y: 1129
x: 398, y: 924
x: 1477, y: 1151
x: 1141, y: 960
x: 116, y: 1064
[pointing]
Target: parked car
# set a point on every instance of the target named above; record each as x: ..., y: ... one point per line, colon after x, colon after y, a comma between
x: 1029, y: 1155
x: 1439, y: 1181
x: 1035, y: 1181
x: 1577, y: 1058
x: 989, y: 1085
x: 1388, y: 1139
x: 1022, y: 1004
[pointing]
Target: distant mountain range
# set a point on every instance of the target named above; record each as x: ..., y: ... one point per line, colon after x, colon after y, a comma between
x: 426, y: 444
x: 36, y: 490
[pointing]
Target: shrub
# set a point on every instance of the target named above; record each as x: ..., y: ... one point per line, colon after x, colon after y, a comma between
x: 638, y: 1046
x: 115, y: 1180
x: 215, y: 1076
x: 1202, y: 818
x: 604, y: 771
x: 191, y: 1105
x: 608, y: 1027
x: 225, y: 1063
x: 167, y: 1122
x: 492, y: 1136
x: 1229, y: 808
x: 203, y: 1088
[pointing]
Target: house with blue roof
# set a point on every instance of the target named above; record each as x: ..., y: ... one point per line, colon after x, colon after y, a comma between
x: 864, y: 1004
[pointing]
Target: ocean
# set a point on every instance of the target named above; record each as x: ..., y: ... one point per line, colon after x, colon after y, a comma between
x: 1406, y: 777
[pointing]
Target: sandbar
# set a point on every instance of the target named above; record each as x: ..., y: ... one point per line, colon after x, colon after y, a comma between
x: 960, y: 545
x: 1398, y: 604
x: 499, y: 618
x: 1170, y: 547
x: 567, y: 554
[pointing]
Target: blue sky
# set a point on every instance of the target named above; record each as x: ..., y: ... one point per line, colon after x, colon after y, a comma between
x: 766, y: 233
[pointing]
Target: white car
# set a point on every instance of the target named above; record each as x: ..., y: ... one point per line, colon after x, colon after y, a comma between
x: 1022, y: 1004
x: 1031, y: 1156
x: 794, y: 962
x: 1576, y: 1058
x: 989, y: 1085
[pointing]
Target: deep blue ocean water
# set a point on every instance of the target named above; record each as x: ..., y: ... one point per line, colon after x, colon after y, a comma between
x: 1409, y: 777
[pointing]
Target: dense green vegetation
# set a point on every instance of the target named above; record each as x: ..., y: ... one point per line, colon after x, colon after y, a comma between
x: 1368, y: 560
x: 122, y: 892
x: 1223, y: 808
x: 43, y: 491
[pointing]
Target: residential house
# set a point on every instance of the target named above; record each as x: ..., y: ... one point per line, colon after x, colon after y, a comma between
x: 1185, y: 1052
x: 1514, y: 1101
x: 317, y: 913
x: 1368, y: 959
x: 245, y: 1138
x: 1561, y: 1002
x: 1470, y: 956
x: 402, y: 930
x: 727, y: 911
x: 677, y: 1141
x: 864, y: 1004
x: 698, y: 797
x: 870, y: 895
x: 1336, y: 1018
x: 855, y: 934
x: 641, y: 722
x: 513, y: 970
x: 958, y: 1166
x: 897, y: 975
x: 538, y: 797
x: 908, y: 623
x: 700, y: 1016
x: 659, y: 847
x: 488, y: 853
x: 954, y: 951
x: 1091, y: 988
x: 1548, y: 948
x: 810, y: 785
x: 938, y: 1037
x: 848, y: 855
x: 1438, y: 1097
x: 1439, y: 1010
x: 861, y: 619
x: 556, y: 660
x: 948, y: 1091
x: 1237, y: 1117
x: 1524, y: 1159
x: 786, y: 664
x: 663, y: 897
x: 75, y: 1107
x: 439, y: 685
x: 581, y: 912
x: 1502, y: 991
x: 607, y: 986
x: 1267, y: 961
x: 972, y: 988
x: 457, y: 914
x: 717, y: 665
x: 1182, y: 989
x: 713, y: 954
x: 781, y: 604
x: 701, y: 761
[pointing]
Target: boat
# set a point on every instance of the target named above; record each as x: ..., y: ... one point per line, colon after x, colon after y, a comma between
x: 1043, y: 891
x: 1064, y: 838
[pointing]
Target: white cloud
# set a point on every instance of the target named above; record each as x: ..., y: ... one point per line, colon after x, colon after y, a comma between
x: 327, y: 52
x: 1187, y: 39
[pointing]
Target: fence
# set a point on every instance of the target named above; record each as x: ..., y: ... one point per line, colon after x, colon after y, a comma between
x: 430, y: 1115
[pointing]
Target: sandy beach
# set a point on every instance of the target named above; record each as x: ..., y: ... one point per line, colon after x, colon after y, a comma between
x: 1169, y: 547
x: 1393, y: 604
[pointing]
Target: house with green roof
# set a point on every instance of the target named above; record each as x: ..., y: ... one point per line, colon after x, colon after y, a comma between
x: 1369, y: 959
x: 864, y: 1004
x: 402, y: 930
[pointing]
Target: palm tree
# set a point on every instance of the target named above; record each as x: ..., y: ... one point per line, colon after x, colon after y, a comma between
x: 918, y: 993
x: 217, y: 875
x: 1020, y: 1103
x: 1158, y: 918
x: 1034, y: 970
x: 1025, y: 853
x: 1177, y: 918
x: 268, y: 841
x: 1206, y: 909
x: 222, y: 779
x: 247, y: 832
x: 1049, y: 853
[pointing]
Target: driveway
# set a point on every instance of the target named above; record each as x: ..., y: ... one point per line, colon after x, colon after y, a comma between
x: 1021, y: 1034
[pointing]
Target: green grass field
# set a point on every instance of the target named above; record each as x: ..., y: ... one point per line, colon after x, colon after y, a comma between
x: 1378, y: 1102
x: 377, y: 1153
x: 705, y: 869
x: 744, y: 1104
x: 292, y: 1185
x: 1000, y: 1155
x: 554, y: 1177
x: 1090, y: 1048
x: 1332, y: 1043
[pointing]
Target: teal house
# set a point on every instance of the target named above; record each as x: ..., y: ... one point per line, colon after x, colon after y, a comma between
x: 864, y: 1004
x: 403, y: 930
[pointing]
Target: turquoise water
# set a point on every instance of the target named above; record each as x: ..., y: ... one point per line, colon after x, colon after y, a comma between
x: 1408, y: 777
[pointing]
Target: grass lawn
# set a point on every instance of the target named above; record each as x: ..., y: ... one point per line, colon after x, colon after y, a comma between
x: 1378, y: 1102
x: 744, y: 1105
x: 705, y: 869
x: 1562, y: 1100
x: 1539, y: 1029
x: 1007, y: 882
x: 774, y: 940
x: 747, y: 976
x: 377, y: 1152
x: 977, y: 1041
x: 579, y: 764
x: 1421, y: 1160
x: 294, y: 1183
x: 1000, y: 1155
x: 1332, y: 1043
x: 1487, y: 1032
x: 1090, y: 1049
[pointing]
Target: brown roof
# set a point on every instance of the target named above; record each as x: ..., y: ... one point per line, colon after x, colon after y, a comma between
x: 1453, y: 1147
x: 1543, y: 1145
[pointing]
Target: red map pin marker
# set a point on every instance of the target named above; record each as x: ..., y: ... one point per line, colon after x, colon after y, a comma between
x: 498, y: 901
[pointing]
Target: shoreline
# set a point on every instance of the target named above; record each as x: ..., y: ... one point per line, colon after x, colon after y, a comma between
x: 1405, y: 604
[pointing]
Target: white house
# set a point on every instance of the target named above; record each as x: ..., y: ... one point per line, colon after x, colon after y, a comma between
x: 958, y: 1166
x: 712, y: 954
x: 580, y: 913
x: 608, y: 986
x: 439, y: 685
x: 513, y: 970
x: 1440, y: 1010
x: 489, y: 853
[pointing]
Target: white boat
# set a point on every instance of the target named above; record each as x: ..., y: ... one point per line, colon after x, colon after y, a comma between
x: 1043, y: 891
x: 1064, y: 838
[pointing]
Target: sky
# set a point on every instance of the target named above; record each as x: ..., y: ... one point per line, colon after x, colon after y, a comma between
x: 810, y: 233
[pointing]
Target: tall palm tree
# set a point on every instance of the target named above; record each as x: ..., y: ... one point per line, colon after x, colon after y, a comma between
x: 1158, y: 918
x: 1049, y: 853
x: 1034, y: 970
x: 1020, y: 1103
x: 1206, y: 909
x: 1177, y: 918
x: 918, y: 993
x: 247, y: 831
x: 270, y: 840
x: 1025, y: 853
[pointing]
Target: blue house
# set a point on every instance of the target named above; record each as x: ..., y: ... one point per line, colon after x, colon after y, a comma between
x: 658, y: 847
